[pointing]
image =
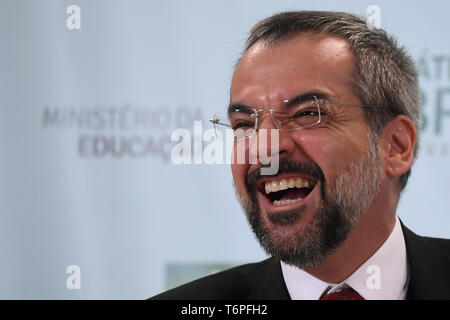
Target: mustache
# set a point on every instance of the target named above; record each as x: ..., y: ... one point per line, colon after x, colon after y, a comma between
x: 286, y: 166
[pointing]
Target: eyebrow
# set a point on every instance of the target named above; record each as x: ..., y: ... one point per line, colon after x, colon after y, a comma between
x: 289, y: 102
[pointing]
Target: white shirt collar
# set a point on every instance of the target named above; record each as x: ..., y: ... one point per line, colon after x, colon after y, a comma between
x: 383, y: 276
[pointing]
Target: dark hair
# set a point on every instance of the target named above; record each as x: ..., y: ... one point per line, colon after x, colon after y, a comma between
x: 385, y: 73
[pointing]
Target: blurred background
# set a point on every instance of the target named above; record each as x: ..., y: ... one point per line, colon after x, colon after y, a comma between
x: 91, y: 204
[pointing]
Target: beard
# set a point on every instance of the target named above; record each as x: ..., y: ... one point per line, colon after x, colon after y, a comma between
x: 343, y: 201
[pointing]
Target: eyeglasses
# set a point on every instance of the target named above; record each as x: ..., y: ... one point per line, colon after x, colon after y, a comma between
x: 304, y: 113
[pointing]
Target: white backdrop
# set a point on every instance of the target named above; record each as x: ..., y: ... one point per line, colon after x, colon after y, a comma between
x: 86, y: 115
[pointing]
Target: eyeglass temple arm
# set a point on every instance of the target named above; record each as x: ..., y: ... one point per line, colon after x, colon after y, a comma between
x: 214, y: 120
x: 323, y: 101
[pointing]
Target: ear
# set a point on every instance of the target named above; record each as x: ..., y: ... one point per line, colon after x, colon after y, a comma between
x: 398, y: 142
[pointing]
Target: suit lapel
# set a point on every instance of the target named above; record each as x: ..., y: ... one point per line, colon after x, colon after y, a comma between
x: 429, y: 268
x: 269, y: 283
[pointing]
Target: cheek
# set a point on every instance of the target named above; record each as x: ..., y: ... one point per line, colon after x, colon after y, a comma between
x: 240, y: 166
x: 332, y: 154
x: 239, y: 172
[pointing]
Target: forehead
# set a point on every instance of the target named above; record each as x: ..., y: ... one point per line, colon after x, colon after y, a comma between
x: 300, y: 64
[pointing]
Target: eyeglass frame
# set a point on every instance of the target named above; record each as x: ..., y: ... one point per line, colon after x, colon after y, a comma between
x: 215, y: 121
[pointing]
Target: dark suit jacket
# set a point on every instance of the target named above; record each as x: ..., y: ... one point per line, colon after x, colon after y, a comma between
x: 428, y: 261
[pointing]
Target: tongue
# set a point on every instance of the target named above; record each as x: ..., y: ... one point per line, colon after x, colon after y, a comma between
x: 296, y: 193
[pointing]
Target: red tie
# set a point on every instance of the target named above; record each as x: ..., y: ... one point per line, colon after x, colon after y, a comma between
x: 345, y: 294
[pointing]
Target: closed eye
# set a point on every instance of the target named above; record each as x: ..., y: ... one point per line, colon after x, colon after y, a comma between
x: 307, y: 113
x: 242, y: 124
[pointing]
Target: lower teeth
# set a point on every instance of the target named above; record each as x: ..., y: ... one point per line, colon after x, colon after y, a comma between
x: 285, y: 202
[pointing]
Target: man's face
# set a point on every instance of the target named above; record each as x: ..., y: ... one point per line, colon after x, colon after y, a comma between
x: 332, y: 171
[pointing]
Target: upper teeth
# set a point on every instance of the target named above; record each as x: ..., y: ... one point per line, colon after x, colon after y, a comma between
x: 283, y: 184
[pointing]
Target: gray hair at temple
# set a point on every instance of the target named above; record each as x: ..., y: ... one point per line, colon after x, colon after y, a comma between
x: 385, y: 73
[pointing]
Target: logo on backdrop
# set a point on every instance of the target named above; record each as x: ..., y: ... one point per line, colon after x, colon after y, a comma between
x: 434, y: 71
x: 121, y: 131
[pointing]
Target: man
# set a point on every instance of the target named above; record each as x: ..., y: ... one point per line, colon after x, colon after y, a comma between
x: 345, y: 100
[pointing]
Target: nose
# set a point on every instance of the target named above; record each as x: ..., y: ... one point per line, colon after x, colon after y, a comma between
x: 269, y: 142
x: 262, y: 142
x: 266, y: 120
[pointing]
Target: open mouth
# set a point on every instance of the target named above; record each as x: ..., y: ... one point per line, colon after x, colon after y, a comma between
x: 287, y: 191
